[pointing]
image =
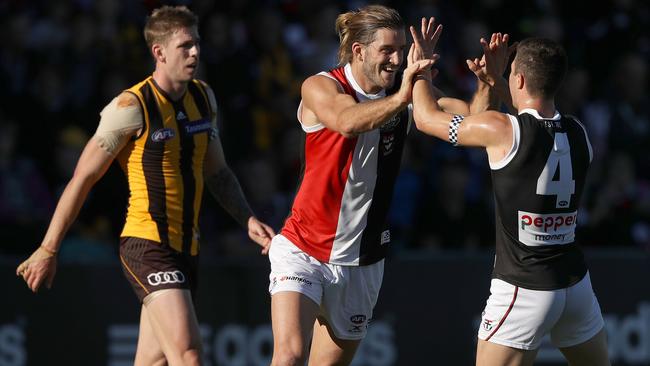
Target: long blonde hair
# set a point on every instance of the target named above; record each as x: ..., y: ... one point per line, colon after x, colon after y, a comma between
x: 361, y: 26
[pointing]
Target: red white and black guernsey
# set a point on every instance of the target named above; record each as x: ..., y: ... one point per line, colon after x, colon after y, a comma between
x: 339, y: 213
x: 537, y: 189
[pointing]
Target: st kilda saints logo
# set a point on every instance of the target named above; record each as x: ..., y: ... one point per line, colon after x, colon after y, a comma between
x: 387, y: 134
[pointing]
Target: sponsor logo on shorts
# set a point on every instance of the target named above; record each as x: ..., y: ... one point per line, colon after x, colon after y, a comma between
x: 547, y: 229
x: 488, y: 324
x: 358, y: 323
x: 163, y: 278
x: 162, y: 134
x: 358, y: 319
x: 295, y: 279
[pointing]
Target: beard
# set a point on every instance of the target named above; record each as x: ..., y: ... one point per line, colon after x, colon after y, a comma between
x: 377, y: 74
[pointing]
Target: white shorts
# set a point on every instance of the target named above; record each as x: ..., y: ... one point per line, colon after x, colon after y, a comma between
x: 346, y: 294
x: 519, y: 318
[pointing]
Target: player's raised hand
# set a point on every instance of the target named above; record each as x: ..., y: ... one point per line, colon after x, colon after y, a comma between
x: 477, y: 66
x: 494, y: 61
x: 427, y: 39
x: 497, y: 53
x: 413, y: 69
x: 260, y: 233
x: 39, y: 267
x: 415, y: 58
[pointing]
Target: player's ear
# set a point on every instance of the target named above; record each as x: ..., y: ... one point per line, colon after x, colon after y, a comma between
x: 158, y: 52
x: 520, y: 80
x: 358, y: 51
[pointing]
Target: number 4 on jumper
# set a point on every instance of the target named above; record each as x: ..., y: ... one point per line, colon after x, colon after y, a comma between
x: 564, y: 186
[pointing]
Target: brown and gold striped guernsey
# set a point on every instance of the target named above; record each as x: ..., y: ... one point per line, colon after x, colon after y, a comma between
x: 164, y: 166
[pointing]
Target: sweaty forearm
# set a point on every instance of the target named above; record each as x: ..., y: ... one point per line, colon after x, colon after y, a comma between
x: 426, y: 112
x: 502, y: 91
x: 484, y: 98
x: 368, y: 116
x: 225, y: 188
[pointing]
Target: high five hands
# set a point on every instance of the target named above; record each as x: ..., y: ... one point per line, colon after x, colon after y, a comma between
x: 488, y: 68
x: 424, y: 43
x: 494, y: 61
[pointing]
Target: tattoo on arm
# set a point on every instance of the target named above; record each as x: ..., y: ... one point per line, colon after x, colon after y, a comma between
x: 225, y: 188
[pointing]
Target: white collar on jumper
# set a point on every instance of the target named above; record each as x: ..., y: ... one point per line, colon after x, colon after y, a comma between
x: 534, y: 113
x: 357, y: 88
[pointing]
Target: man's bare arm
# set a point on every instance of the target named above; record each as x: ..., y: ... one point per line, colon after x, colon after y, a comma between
x: 41, y: 265
x: 324, y: 102
x: 225, y: 188
x: 487, y: 129
x: 502, y: 92
x: 484, y: 98
x: 92, y: 165
x: 490, y: 68
x: 121, y: 120
x: 223, y: 184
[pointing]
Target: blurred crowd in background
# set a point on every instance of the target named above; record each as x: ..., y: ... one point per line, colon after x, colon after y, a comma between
x: 63, y: 60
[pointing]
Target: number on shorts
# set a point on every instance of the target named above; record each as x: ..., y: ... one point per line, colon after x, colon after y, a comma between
x: 564, y: 186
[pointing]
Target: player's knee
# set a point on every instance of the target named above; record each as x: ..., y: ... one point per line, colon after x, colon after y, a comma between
x: 288, y: 357
x: 185, y: 356
x: 159, y: 362
x: 148, y: 356
x: 192, y: 357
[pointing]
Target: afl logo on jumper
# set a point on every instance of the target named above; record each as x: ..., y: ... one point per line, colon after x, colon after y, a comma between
x: 162, y: 134
x: 163, y: 278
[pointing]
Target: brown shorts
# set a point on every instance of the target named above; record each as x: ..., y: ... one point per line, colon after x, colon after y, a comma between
x: 150, y: 266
